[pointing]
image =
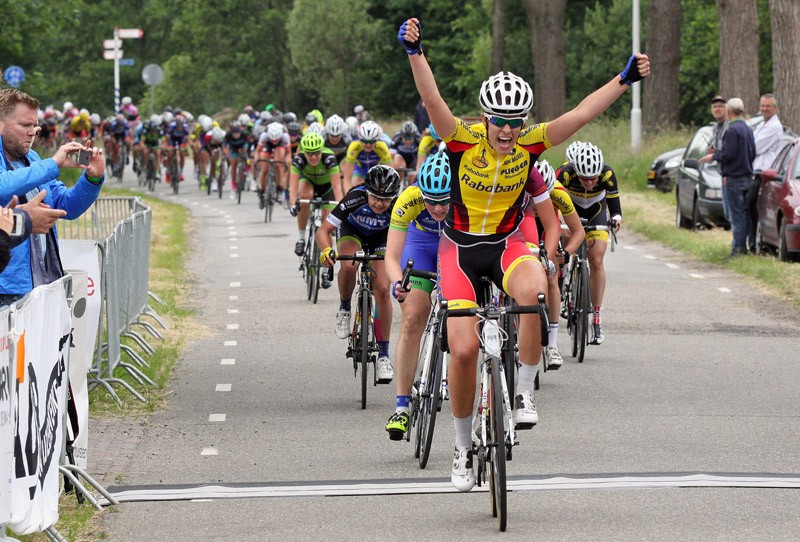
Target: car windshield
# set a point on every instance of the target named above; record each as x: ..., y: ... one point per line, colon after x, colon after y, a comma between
x: 699, y: 145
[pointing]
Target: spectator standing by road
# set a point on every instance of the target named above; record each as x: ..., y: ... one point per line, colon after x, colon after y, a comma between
x: 736, y: 165
x: 35, y: 261
x: 768, y: 143
x: 720, y: 113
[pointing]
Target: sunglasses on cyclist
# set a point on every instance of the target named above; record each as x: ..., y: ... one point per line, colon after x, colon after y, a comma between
x: 310, y: 153
x: 500, y: 121
x: 369, y: 141
x: 380, y: 198
x: 444, y: 202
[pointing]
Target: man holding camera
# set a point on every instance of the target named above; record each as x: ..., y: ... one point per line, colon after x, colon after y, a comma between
x: 27, y: 179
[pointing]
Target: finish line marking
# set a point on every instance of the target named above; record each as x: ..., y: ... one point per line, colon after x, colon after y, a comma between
x: 442, y: 485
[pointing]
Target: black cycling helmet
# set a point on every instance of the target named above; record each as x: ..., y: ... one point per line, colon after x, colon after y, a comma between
x: 289, y: 117
x: 408, y: 129
x: 382, y: 181
x: 293, y: 128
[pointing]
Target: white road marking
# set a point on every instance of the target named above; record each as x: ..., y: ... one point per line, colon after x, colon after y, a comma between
x: 629, y: 247
x: 724, y: 290
x: 649, y: 257
x: 673, y: 266
x: 235, y: 284
x: 229, y: 221
x: 209, y: 451
x: 233, y: 311
x: 696, y: 276
x: 234, y: 255
x: 232, y: 326
x: 407, y: 487
x: 232, y: 239
x: 233, y: 298
x: 217, y: 417
x: 230, y: 343
x: 227, y: 361
x: 234, y: 247
x: 223, y: 387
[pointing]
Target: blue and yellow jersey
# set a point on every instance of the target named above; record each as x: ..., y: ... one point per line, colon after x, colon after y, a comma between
x: 357, y: 155
x: 409, y: 210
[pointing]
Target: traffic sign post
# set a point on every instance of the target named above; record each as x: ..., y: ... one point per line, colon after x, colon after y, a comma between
x: 113, y: 51
x: 14, y: 76
x: 152, y: 74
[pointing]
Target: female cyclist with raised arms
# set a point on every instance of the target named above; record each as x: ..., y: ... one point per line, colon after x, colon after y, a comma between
x: 481, y: 236
x: 417, y: 221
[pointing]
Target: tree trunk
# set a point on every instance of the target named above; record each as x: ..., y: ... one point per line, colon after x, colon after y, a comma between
x: 785, y: 19
x: 663, y: 46
x: 548, y: 50
x: 498, y: 34
x: 738, y: 51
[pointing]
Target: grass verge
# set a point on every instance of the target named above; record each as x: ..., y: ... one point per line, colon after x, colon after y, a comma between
x: 169, y: 248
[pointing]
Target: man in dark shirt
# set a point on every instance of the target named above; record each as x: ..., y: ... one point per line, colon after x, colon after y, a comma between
x: 736, y: 164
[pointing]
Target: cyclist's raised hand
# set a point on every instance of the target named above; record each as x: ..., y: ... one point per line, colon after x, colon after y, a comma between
x: 410, y: 36
x: 328, y: 257
x: 637, y: 68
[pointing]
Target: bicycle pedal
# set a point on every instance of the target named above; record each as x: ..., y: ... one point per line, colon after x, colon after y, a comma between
x: 394, y: 434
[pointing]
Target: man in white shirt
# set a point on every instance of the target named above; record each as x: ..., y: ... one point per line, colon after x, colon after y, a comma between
x: 768, y: 143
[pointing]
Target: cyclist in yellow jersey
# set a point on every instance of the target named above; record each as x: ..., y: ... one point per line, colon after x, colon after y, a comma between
x: 481, y: 234
x: 363, y: 154
x: 593, y: 187
x: 429, y: 144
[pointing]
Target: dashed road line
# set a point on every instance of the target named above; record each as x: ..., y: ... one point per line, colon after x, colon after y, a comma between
x: 223, y: 387
x: 230, y: 343
x: 209, y: 451
x: 227, y: 361
x: 673, y: 266
x: 724, y: 290
x: 217, y: 417
x: 232, y: 326
x: 235, y: 284
x: 696, y: 276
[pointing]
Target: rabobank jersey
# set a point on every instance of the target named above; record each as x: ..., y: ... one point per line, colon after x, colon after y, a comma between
x: 355, y: 210
x: 409, y: 210
x: 487, y: 189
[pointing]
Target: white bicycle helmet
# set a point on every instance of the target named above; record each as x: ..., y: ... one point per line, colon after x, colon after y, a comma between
x: 316, y: 128
x: 370, y: 131
x: 67, y: 106
x: 127, y: 100
x: 95, y: 118
x: 588, y: 161
x: 335, y: 125
x: 188, y: 116
x: 205, y: 122
x: 547, y: 172
x: 168, y: 117
x: 264, y: 115
x: 274, y: 131
x: 217, y: 135
x: 156, y: 119
x: 572, y: 151
x: 506, y: 95
x: 244, y: 119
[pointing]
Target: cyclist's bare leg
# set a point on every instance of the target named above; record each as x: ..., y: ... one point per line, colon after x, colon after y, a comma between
x: 524, y: 283
x: 182, y: 158
x: 383, y: 299
x: 233, y: 165
x: 282, y: 162
x: 347, y: 270
x: 415, y: 309
x: 597, y: 275
x: 461, y: 371
x: 262, y: 176
x: 305, y: 191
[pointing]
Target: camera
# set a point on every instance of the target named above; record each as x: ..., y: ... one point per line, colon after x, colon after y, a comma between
x: 19, y: 226
x: 83, y: 157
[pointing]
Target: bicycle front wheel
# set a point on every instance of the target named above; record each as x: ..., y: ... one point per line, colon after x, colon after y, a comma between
x: 429, y: 403
x: 584, y: 311
x: 240, y: 179
x: 175, y: 176
x: 365, y: 307
x: 314, y: 270
x: 497, y: 452
x: 269, y: 198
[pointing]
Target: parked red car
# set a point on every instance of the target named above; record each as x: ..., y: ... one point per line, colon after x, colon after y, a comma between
x: 779, y: 205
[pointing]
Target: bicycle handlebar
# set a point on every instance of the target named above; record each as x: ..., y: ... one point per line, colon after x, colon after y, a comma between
x: 360, y: 257
x: 420, y: 274
x: 492, y: 312
x: 318, y: 201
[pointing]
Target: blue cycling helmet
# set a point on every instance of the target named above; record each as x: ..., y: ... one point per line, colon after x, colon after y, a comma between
x: 434, y: 175
x: 433, y: 133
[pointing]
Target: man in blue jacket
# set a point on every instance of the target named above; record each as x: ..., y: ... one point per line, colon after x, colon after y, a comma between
x: 736, y: 164
x: 36, y: 261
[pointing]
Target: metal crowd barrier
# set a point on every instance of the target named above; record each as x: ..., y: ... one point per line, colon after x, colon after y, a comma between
x: 122, y: 227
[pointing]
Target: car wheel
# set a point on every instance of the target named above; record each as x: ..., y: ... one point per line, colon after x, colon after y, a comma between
x: 680, y: 220
x: 697, y: 221
x: 783, y: 249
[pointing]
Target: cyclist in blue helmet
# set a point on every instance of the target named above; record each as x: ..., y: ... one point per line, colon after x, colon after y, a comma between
x: 417, y: 221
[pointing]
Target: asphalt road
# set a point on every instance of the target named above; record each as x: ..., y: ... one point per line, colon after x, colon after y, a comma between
x: 698, y: 376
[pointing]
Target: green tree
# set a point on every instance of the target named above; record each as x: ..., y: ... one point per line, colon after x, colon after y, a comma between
x: 329, y: 41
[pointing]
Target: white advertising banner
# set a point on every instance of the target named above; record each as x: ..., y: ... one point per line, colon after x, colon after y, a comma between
x: 41, y: 328
x: 7, y: 427
x: 80, y: 361
x: 85, y: 256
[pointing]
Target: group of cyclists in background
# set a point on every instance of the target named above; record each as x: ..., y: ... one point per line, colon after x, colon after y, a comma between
x: 463, y: 200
